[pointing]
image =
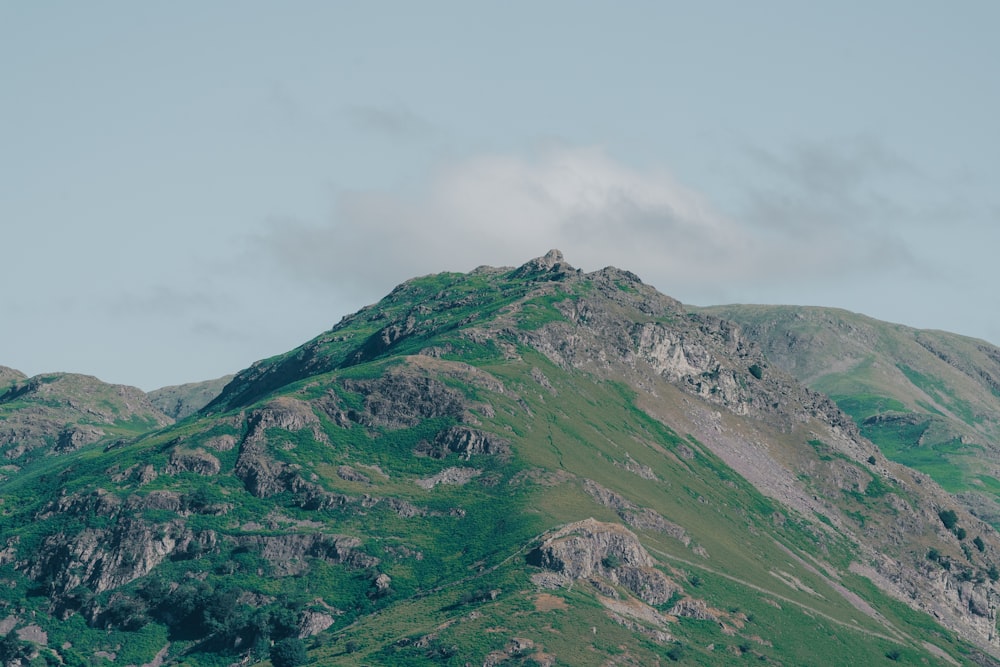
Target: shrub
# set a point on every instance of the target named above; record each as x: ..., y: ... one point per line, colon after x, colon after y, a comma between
x: 948, y: 518
x: 13, y: 649
x: 289, y: 652
x: 125, y: 613
x: 757, y: 371
x: 960, y: 532
x: 871, y: 459
x: 979, y: 543
x: 676, y: 652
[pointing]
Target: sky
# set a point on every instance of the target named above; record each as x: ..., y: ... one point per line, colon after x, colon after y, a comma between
x: 188, y: 187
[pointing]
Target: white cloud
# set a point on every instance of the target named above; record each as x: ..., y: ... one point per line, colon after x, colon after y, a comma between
x: 505, y: 209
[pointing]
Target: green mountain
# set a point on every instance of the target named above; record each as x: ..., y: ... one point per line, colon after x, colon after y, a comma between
x: 928, y: 399
x: 514, y: 466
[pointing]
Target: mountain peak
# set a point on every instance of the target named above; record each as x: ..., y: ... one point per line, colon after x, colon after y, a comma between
x: 551, y: 264
x: 553, y: 256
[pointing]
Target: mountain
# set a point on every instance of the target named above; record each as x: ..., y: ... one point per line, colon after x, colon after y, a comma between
x: 528, y: 465
x: 928, y: 399
x: 183, y: 400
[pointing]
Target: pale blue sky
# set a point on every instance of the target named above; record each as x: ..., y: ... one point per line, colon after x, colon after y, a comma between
x: 188, y: 187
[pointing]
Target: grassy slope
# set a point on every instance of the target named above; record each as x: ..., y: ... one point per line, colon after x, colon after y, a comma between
x: 581, y: 433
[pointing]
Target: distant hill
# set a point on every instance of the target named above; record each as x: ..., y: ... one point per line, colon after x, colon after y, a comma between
x: 9, y: 376
x: 513, y: 466
x: 180, y: 401
x: 62, y: 412
x: 928, y: 399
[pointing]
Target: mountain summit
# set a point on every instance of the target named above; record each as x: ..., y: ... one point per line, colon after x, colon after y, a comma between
x: 530, y: 465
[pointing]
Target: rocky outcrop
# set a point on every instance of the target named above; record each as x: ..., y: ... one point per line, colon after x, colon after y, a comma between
x: 449, y: 476
x: 961, y: 599
x: 76, y: 436
x: 314, y: 622
x: 349, y: 474
x: 261, y: 473
x: 641, y: 518
x: 287, y: 554
x: 103, y: 559
x: 284, y: 413
x: 466, y: 442
x: 550, y: 266
x: 197, y: 461
x: 591, y: 548
x: 400, y: 399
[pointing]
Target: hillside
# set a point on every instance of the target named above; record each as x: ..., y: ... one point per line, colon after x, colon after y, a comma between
x: 62, y: 412
x: 529, y: 465
x: 929, y: 399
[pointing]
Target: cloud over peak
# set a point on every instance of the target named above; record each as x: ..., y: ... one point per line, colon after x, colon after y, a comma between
x: 503, y: 209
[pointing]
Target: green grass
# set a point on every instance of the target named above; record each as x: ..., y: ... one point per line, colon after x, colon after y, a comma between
x: 536, y: 313
x: 862, y: 406
x: 902, y: 436
x: 942, y: 394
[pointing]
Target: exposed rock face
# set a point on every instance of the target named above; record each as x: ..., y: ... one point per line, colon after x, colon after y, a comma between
x: 466, y: 442
x: 314, y: 622
x: 287, y: 553
x: 221, y: 443
x: 382, y: 583
x: 75, y: 437
x: 591, y: 548
x: 284, y: 413
x: 449, y: 476
x: 197, y: 461
x: 262, y: 474
x: 351, y: 475
x: 400, y: 399
x: 551, y: 266
x: 703, y: 355
x: 105, y: 558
